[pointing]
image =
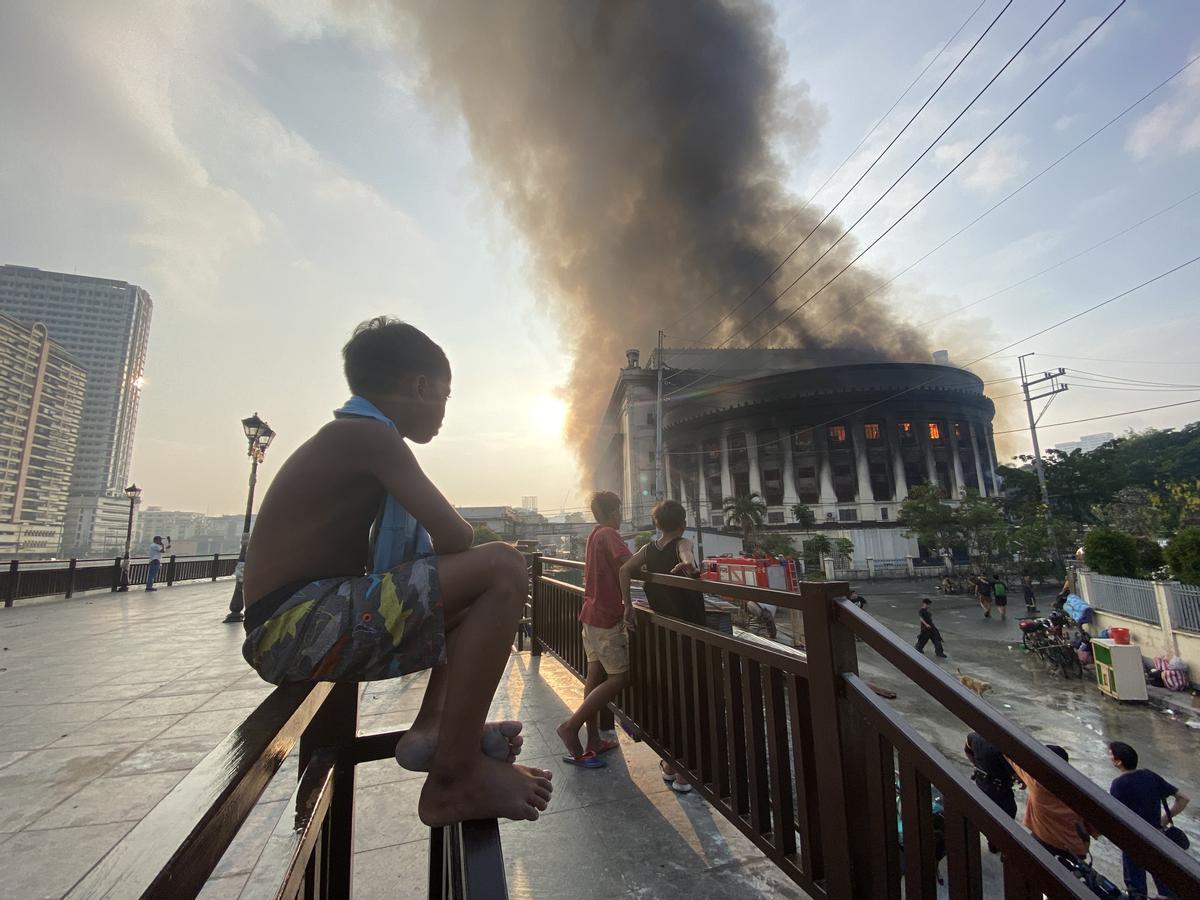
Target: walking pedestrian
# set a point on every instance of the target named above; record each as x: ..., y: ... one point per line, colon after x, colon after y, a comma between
x: 156, y: 551
x: 993, y: 775
x: 1000, y: 592
x: 1030, y: 599
x: 1146, y: 793
x: 929, y: 631
x: 983, y: 593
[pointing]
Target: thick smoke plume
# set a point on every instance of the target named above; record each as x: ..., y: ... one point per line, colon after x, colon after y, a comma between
x: 635, y: 147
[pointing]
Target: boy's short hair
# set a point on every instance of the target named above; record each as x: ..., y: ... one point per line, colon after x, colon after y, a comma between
x: 926, y: 601
x: 1059, y: 751
x: 384, y: 350
x: 1124, y: 754
x: 669, y: 515
x: 605, y: 505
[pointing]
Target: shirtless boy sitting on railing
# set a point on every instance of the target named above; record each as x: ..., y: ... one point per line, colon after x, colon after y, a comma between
x: 326, y: 603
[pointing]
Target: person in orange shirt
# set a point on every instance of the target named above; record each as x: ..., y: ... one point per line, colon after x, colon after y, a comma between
x: 1053, y: 824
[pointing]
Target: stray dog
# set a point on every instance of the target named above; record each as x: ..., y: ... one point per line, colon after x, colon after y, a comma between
x: 978, y: 685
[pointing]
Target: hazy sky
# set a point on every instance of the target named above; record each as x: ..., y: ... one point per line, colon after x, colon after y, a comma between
x: 274, y: 172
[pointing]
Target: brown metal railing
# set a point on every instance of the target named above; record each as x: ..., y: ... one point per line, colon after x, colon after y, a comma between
x: 803, y: 757
x: 22, y: 580
x: 172, y: 852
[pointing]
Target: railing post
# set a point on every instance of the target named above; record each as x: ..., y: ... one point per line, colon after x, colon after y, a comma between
x: 840, y: 755
x: 171, y: 570
x: 70, y: 578
x: 535, y: 572
x: 10, y: 595
x: 334, y: 727
x: 216, y: 562
x: 116, y: 574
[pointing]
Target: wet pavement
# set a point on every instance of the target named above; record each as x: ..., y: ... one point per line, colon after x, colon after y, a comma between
x: 1069, y: 712
x: 107, y: 701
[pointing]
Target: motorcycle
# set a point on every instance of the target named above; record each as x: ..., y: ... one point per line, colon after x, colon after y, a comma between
x: 1047, y: 638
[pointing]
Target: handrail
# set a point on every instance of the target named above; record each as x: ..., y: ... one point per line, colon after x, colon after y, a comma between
x: 1067, y: 783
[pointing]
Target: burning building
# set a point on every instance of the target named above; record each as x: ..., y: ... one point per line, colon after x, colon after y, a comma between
x: 843, y: 433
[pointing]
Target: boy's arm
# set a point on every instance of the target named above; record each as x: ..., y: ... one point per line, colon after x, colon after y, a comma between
x: 389, y: 459
x: 635, y: 563
x: 687, y: 559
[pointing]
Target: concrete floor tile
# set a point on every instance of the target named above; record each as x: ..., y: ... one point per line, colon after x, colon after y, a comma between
x: 146, y: 707
x: 227, y: 888
x: 381, y: 772
x: 243, y: 853
x: 118, y: 691
x: 216, y: 721
x: 32, y: 735
x: 106, y: 800
x: 8, y: 757
x: 108, y: 731
x: 393, y: 873
x: 232, y: 698
x: 41, y: 865
x: 386, y: 814
x: 75, y: 713
x: 167, y: 754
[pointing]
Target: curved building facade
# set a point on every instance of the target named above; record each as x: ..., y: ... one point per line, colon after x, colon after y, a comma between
x: 846, y: 437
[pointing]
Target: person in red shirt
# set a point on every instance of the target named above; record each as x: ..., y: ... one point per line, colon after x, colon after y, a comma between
x: 605, y: 618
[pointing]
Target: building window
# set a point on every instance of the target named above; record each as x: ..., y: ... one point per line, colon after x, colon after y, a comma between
x: 935, y: 431
x: 837, y: 434
x: 649, y: 418
x: 871, y: 430
x: 847, y: 515
x: 775, y: 518
x: 908, y: 434
x: 883, y: 514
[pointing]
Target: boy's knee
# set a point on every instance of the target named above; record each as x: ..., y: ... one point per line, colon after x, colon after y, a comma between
x: 509, y: 568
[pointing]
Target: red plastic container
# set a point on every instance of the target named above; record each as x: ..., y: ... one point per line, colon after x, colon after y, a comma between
x: 1119, y: 635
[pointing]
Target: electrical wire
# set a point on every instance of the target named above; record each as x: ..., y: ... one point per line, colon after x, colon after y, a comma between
x: 1128, y: 412
x: 829, y: 212
x: 942, y: 180
x: 1003, y: 200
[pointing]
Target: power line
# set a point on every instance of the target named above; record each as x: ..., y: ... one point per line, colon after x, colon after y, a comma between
x: 1132, y: 362
x: 1128, y: 412
x: 866, y: 137
x: 992, y: 354
x: 903, y: 174
x: 1100, y: 376
x: 829, y: 212
x: 1003, y: 200
x: 941, y: 180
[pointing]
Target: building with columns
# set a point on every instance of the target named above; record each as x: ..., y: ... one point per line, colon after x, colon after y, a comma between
x: 843, y: 433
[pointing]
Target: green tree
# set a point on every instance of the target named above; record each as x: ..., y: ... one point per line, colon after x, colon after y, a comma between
x: 981, y: 523
x: 1134, y: 512
x: 815, y: 549
x: 1183, y: 556
x: 927, y: 517
x: 1031, y: 537
x: 775, y: 544
x: 642, y: 538
x: 484, y: 535
x: 804, y: 515
x: 747, y: 513
x: 843, y: 551
x: 1111, y: 552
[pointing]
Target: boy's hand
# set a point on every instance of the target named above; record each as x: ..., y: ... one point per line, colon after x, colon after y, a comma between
x: 685, y: 569
x: 630, y: 619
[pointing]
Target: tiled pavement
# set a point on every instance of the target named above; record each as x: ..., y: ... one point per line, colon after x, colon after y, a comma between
x: 108, y: 700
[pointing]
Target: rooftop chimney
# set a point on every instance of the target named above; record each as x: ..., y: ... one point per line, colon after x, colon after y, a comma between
x: 941, y: 357
x: 633, y: 356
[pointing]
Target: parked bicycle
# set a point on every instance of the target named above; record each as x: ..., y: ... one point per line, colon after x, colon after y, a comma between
x: 1047, y: 638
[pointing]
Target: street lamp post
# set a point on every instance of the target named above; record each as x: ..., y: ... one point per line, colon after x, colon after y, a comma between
x: 132, y: 492
x: 259, y: 436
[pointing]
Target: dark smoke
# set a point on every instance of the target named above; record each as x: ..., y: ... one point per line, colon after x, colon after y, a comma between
x: 634, y: 145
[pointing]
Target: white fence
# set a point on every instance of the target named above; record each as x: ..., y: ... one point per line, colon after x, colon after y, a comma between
x: 1129, y: 597
x: 1185, y: 607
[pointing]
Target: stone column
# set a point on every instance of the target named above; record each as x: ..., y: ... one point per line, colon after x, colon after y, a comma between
x: 858, y: 435
x: 828, y: 495
x: 898, y: 476
x: 790, y: 497
x: 927, y: 446
x: 701, y: 487
x: 667, y: 490
x: 683, y: 494
x: 726, y: 478
x: 991, y: 458
x: 956, y: 462
x: 752, y: 456
x: 983, y: 491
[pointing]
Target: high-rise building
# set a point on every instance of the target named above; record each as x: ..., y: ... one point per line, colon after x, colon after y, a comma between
x: 96, y: 526
x: 1087, y: 443
x: 105, y: 325
x: 41, y: 401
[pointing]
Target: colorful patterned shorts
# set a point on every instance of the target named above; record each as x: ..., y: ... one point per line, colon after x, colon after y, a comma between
x: 354, y: 629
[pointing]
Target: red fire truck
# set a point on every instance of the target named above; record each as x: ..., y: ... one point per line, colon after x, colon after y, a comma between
x: 778, y: 573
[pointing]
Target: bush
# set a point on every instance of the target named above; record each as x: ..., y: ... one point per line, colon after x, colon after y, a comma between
x: 1150, y: 556
x: 1111, y: 552
x: 1183, y: 555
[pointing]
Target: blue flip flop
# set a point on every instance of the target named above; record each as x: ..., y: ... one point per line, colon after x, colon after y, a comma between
x: 589, y: 760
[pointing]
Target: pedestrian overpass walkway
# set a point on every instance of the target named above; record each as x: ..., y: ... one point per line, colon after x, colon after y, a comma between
x: 108, y: 700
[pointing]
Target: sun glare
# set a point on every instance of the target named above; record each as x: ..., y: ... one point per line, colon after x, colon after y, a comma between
x: 549, y: 416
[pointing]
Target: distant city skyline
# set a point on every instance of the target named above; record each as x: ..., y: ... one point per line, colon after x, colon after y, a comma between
x: 1087, y: 443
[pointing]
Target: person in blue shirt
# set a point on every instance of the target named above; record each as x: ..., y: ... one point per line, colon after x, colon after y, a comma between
x: 1146, y: 793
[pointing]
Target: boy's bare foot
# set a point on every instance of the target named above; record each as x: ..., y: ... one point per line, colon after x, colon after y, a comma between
x: 488, y: 789
x: 500, y: 740
x: 570, y: 738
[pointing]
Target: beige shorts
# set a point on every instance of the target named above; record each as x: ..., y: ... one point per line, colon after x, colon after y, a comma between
x: 607, y: 646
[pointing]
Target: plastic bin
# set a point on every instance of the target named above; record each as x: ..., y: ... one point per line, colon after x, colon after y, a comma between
x: 1119, y: 635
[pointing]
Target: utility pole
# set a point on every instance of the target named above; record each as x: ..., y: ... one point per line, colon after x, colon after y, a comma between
x: 1054, y: 388
x: 659, y: 479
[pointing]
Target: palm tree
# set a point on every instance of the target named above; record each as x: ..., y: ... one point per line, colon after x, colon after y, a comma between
x: 746, y: 513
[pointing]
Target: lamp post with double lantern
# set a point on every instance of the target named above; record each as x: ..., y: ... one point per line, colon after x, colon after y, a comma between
x: 258, y: 436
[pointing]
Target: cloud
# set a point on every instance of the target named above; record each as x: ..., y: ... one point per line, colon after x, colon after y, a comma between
x: 1000, y: 163
x: 1173, y: 127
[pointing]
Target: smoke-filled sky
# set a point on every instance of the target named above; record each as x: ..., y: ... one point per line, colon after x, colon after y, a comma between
x: 540, y: 186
